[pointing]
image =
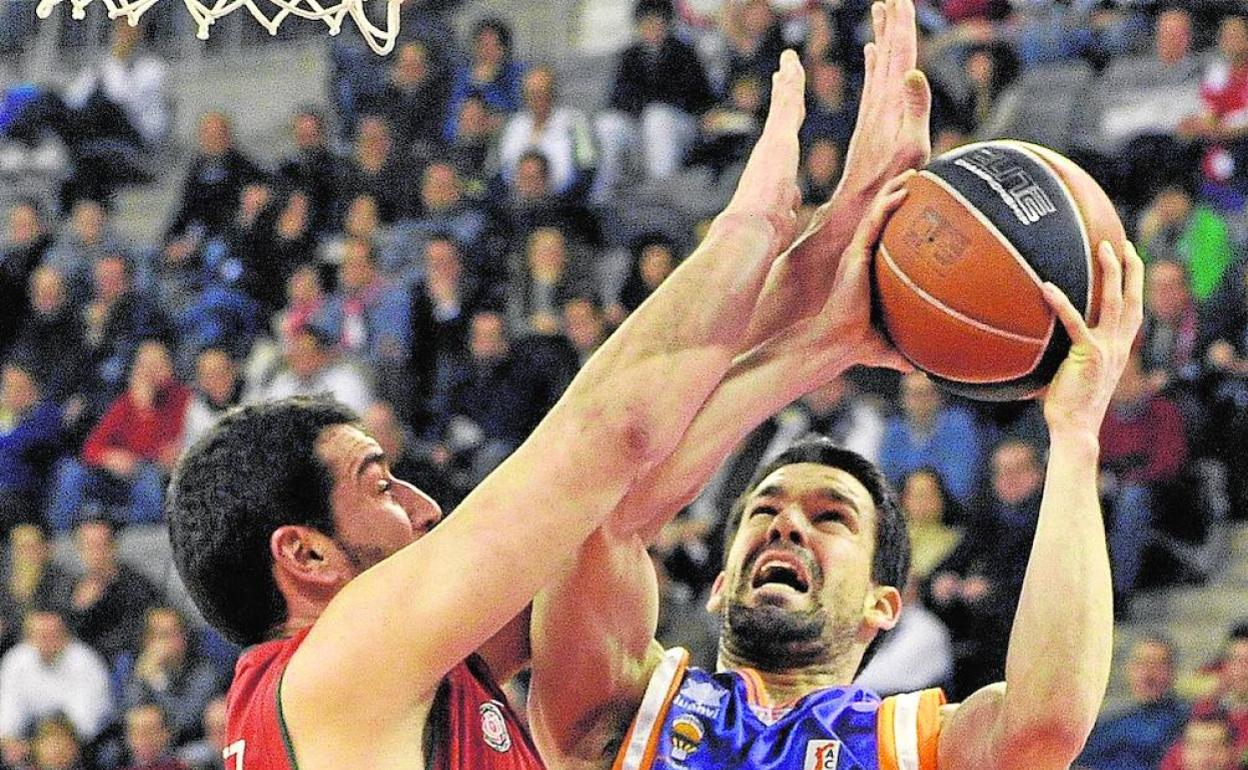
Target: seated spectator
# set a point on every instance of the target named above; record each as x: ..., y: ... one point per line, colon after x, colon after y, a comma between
x: 30, y: 580
x: 472, y: 149
x: 483, y: 410
x: 49, y: 673
x: 988, y: 69
x: 930, y: 512
x: 584, y: 326
x: 210, y: 194
x: 1175, y: 228
x: 127, y: 457
x: 1137, y: 107
x: 548, y: 277
x: 110, y: 118
x: 976, y: 589
x: 561, y: 133
x: 930, y: 433
x: 1230, y: 697
x: 654, y: 259
x: 659, y: 91
x: 313, y: 366
x: 116, y: 319
x: 54, y: 745
x: 268, y: 240
x: 754, y: 38
x: 1226, y: 383
x: 1170, y: 340
x: 218, y: 388
x: 373, y: 316
x: 51, y: 344
x: 362, y: 221
x: 413, y: 102
x: 821, y: 171
x: 492, y: 73
x: 26, y: 240
x: 30, y: 428
x: 170, y: 674
x: 88, y: 239
x: 205, y: 753
x: 443, y: 208
x: 1139, y: 734
x: 728, y: 130
x: 530, y: 203
x: 832, y: 109
x: 110, y: 598
x: 148, y: 741
x: 442, y: 303
x: 1208, y: 743
x: 1142, y: 451
x: 1219, y: 127
x: 375, y: 169
x: 313, y: 169
x: 305, y: 300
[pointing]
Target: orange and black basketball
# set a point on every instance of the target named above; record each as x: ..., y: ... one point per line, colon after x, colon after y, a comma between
x: 959, y: 267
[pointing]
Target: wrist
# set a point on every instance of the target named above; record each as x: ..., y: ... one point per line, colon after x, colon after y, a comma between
x: 1075, y: 441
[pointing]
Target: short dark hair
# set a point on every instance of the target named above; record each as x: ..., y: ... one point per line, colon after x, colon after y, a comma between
x: 498, y: 26
x: 890, y: 564
x: 254, y: 471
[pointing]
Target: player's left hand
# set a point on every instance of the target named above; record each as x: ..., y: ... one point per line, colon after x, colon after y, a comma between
x: 1079, y: 394
x: 763, y: 210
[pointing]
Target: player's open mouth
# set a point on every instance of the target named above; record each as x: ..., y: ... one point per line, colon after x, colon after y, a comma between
x: 780, y: 569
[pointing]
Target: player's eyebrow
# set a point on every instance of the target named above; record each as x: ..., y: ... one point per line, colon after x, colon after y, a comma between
x: 827, y: 492
x: 377, y: 457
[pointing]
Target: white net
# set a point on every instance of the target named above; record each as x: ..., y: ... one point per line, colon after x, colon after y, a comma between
x: 380, y: 39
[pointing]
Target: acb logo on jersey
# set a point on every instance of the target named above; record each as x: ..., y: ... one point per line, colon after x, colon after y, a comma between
x: 822, y: 755
x: 494, y: 727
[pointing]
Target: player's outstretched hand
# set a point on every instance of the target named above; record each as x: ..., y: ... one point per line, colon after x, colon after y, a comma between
x: 1079, y: 394
x: 892, y: 133
x: 844, y: 322
x: 766, y: 199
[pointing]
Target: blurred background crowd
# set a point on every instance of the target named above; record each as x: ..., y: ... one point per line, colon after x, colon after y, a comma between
x: 450, y: 231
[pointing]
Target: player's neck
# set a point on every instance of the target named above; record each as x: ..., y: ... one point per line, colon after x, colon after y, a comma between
x: 788, y: 685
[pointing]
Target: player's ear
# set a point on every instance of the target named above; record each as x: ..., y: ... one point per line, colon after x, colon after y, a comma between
x: 716, y: 600
x: 881, y: 608
x: 302, y: 553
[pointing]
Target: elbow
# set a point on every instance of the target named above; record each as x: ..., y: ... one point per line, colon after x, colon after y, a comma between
x: 1055, y: 740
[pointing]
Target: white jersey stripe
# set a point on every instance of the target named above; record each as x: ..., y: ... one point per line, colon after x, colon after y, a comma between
x: 653, y: 705
x: 906, y: 731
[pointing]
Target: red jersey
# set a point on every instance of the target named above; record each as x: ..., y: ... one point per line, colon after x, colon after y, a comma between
x: 1224, y: 92
x: 470, y: 725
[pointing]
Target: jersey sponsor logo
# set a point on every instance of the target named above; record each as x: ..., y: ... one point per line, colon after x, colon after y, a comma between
x: 494, y: 726
x: 1025, y: 197
x: 687, y: 734
x: 701, y: 698
x: 822, y: 755
x: 769, y: 715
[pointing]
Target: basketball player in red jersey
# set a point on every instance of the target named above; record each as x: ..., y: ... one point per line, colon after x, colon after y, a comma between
x: 377, y: 641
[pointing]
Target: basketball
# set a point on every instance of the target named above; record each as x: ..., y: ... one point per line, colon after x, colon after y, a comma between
x: 958, y: 270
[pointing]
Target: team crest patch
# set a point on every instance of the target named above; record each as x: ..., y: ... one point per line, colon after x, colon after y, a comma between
x: 687, y: 733
x: 494, y: 727
x: 822, y: 755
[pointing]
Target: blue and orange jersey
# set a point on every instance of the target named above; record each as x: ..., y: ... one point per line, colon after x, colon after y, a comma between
x: 695, y: 720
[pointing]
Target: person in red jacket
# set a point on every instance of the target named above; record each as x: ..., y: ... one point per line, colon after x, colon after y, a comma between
x: 127, y: 456
x: 1143, y: 447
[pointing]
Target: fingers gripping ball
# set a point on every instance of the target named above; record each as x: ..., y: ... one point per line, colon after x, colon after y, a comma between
x: 958, y: 271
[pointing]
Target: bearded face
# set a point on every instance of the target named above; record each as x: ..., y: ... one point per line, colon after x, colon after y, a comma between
x: 796, y: 591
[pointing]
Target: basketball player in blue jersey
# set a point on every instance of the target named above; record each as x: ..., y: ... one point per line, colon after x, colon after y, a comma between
x: 814, y: 572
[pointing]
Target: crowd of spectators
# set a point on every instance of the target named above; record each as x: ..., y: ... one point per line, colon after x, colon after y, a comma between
x: 449, y: 239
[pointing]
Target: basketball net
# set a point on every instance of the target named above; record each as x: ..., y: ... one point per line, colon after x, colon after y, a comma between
x: 206, y: 14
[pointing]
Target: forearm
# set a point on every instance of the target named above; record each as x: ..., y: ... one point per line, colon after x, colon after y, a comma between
x: 759, y: 384
x: 659, y: 368
x: 1061, y: 643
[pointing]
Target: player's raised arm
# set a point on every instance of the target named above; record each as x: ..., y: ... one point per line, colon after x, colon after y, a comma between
x: 392, y: 633
x: 1061, y: 643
